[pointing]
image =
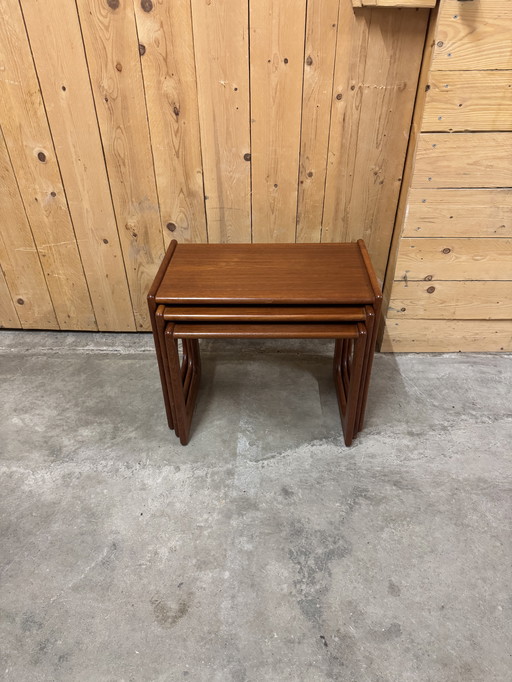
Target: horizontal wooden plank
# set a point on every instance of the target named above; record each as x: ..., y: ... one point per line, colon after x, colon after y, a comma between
x: 454, y: 259
x: 394, y: 3
x: 459, y: 213
x: 447, y: 336
x: 486, y: 300
x: 468, y: 100
x: 463, y: 160
x: 473, y: 35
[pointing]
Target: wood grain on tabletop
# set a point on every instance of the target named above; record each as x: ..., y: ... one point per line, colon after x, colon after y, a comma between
x: 267, y: 273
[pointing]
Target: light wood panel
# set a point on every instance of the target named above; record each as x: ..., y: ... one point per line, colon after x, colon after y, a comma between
x: 37, y: 173
x: 447, y: 336
x: 455, y: 259
x: 459, y: 213
x: 351, y: 54
x: 167, y: 56
x: 321, y: 31
x: 395, y: 3
x: 221, y: 44
x: 469, y: 100
x: 111, y: 44
x: 485, y: 300
x: 473, y: 35
x: 453, y: 287
x: 463, y: 160
x: 19, y: 259
x: 56, y: 43
x: 130, y: 122
x: 364, y: 175
x: 402, y: 208
x: 276, y: 59
x: 8, y: 316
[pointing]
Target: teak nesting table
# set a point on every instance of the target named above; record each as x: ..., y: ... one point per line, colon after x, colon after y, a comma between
x: 265, y: 291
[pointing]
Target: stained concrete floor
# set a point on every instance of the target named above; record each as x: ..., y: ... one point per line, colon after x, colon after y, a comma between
x: 265, y: 550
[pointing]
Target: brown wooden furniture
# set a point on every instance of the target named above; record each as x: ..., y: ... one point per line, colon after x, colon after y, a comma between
x: 265, y: 291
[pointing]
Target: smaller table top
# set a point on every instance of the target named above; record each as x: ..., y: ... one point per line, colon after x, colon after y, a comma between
x: 258, y: 274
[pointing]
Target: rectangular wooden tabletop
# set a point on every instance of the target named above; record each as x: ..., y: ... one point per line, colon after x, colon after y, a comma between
x: 267, y: 274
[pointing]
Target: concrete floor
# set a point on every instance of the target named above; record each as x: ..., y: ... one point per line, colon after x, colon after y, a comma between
x: 265, y: 550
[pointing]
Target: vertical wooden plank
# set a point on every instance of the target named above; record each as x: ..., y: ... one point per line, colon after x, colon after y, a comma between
x: 350, y: 62
x: 221, y: 51
x: 112, y: 52
x: 321, y: 28
x: 372, y: 152
x: 33, y: 158
x: 19, y: 259
x: 395, y: 47
x: 167, y: 57
x: 8, y: 317
x: 276, y: 60
x: 55, y: 38
x: 401, y: 213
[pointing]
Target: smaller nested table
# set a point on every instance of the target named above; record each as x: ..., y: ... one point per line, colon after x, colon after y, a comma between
x: 278, y: 291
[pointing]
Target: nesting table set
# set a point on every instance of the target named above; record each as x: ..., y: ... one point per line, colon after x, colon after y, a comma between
x: 265, y: 291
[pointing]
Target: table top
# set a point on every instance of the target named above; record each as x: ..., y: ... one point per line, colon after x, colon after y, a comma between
x: 268, y: 274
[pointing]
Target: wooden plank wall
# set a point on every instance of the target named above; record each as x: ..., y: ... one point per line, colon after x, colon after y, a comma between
x: 452, y: 286
x: 126, y: 123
